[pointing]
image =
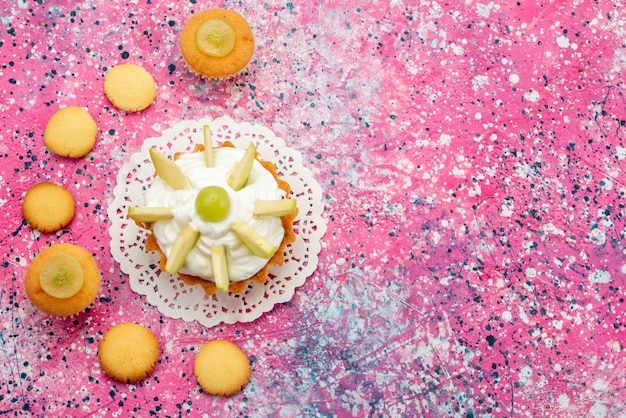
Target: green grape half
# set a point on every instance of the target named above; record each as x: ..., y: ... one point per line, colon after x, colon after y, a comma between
x: 215, y: 38
x: 212, y: 204
x: 61, y: 276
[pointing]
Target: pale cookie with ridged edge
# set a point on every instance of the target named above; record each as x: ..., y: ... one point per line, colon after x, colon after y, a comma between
x: 71, y: 132
x: 128, y: 352
x: 39, y: 270
x: 48, y: 207
x: 129, y: 87
x: 221, y: 368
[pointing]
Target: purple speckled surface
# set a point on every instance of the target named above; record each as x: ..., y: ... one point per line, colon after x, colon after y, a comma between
x: 470, y: 155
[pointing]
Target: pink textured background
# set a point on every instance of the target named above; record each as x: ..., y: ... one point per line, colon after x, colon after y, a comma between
x: 471, y: 158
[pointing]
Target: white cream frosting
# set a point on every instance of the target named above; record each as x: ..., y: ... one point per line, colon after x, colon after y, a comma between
x: 261, y: 186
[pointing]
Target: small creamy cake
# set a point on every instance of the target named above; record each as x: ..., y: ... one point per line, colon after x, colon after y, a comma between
x: 218, y: 216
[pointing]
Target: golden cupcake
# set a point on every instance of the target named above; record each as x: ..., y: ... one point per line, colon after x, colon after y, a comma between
x: 62, y: 280
x: 218, y: 216
x: 217, y: 43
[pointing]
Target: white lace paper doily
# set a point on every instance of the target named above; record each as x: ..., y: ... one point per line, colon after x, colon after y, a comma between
x: 169, y: 294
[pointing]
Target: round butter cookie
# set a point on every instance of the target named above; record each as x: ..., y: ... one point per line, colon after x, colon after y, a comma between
x: 221, y: 368
x: 217, y: 43
x: 48, y: 207
x: 128, y: 352
x: 71, y: 132
x: 129, y: 87
x: 60, y: 265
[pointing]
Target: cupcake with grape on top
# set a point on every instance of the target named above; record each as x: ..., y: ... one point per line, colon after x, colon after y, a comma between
x: 217, y: 43
x: 63, y: 279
